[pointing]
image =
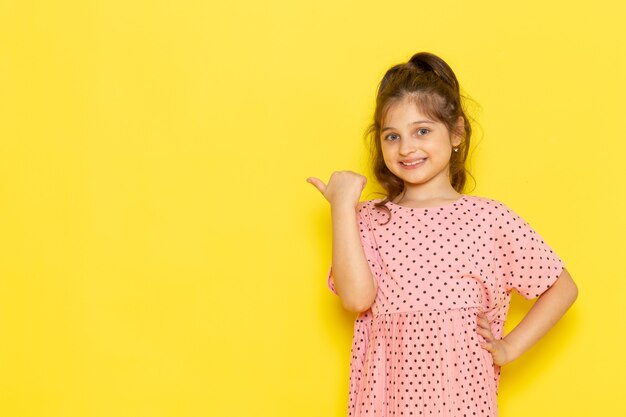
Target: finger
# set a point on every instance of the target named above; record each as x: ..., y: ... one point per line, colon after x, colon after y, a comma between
x: 486, y: 330
x: 487, y: 346
x: 319, y: 184
x: 484, y: 323
x: 486, y: 334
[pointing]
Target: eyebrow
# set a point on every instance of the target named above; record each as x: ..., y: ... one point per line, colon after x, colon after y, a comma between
x: 410, y: 124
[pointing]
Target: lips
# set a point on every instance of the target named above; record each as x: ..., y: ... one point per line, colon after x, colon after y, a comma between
x: 413, y: 162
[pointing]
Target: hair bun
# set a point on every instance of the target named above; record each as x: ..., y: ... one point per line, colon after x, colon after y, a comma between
x: 427, y: 62
x: 419, y: 60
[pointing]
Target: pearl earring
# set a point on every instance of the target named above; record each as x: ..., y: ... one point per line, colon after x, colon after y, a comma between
x: 456, y: 149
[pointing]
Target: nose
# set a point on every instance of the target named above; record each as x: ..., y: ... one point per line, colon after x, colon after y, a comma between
x: 407, y: 146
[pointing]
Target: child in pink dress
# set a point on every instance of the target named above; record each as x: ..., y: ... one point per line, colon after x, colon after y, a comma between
x: 428, y: 268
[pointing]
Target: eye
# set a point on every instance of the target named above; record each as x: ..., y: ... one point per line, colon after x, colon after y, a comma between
x: 422, y: 131
x: 388, y: 137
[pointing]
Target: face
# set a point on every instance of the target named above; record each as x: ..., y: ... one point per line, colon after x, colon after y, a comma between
x: 416, y: 148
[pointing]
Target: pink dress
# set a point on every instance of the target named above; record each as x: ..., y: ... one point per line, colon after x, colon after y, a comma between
x: 416, y: 351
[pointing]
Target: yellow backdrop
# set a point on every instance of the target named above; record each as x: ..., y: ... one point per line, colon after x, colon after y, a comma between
x: 161, y: 251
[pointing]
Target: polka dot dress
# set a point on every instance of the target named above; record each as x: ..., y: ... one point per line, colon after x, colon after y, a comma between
x: 416, y: 351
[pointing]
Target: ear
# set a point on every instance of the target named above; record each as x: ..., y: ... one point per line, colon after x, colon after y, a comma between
x: 457, y: 135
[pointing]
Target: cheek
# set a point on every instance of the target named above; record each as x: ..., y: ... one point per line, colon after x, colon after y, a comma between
x: 385, y: 151
x: 387, y: 158
x: 439, y: 150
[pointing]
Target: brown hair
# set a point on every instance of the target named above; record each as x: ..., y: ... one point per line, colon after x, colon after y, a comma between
x: 428, y: 81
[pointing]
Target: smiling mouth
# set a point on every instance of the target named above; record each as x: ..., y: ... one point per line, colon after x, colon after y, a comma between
x: 416, y: 162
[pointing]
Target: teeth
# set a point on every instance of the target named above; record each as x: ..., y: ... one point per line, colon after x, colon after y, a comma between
x: 414, y: 163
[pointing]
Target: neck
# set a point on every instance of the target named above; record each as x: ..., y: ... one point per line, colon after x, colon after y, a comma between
x: 438, y: 188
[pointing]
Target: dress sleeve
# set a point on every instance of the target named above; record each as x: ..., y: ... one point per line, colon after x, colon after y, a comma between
x: 368, y: 242
x: 525, y: 261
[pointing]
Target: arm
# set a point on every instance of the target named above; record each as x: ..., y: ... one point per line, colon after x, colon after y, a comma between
x: 353, y: 278
x: 541, y: 317
x: 354, y: 282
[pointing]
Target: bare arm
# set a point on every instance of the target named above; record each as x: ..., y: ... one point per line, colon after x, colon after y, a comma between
x: 541, y: 317
x: 353, y: 278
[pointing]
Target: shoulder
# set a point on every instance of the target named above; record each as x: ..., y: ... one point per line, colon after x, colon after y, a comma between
x: 367, y: 209
x: 492, y: 206
x: 507, y: 223
x: 496, y: 212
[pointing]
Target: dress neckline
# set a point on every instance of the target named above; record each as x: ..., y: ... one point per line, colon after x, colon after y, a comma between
x: 452, y: 204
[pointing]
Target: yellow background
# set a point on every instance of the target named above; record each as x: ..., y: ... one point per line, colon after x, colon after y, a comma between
x: 161, y: 253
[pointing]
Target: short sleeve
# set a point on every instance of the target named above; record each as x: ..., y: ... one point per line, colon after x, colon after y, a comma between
x: 368, y: 242
x: 525, y: 261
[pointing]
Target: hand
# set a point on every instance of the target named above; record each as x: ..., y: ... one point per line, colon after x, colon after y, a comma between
x: 344, y: 187
x: 499, y: 348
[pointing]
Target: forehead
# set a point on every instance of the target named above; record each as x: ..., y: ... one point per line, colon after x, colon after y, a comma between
x: 405, y: 109
x: 404, y: 106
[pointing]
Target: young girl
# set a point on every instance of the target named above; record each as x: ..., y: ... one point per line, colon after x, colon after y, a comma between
x: 428, y: 268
